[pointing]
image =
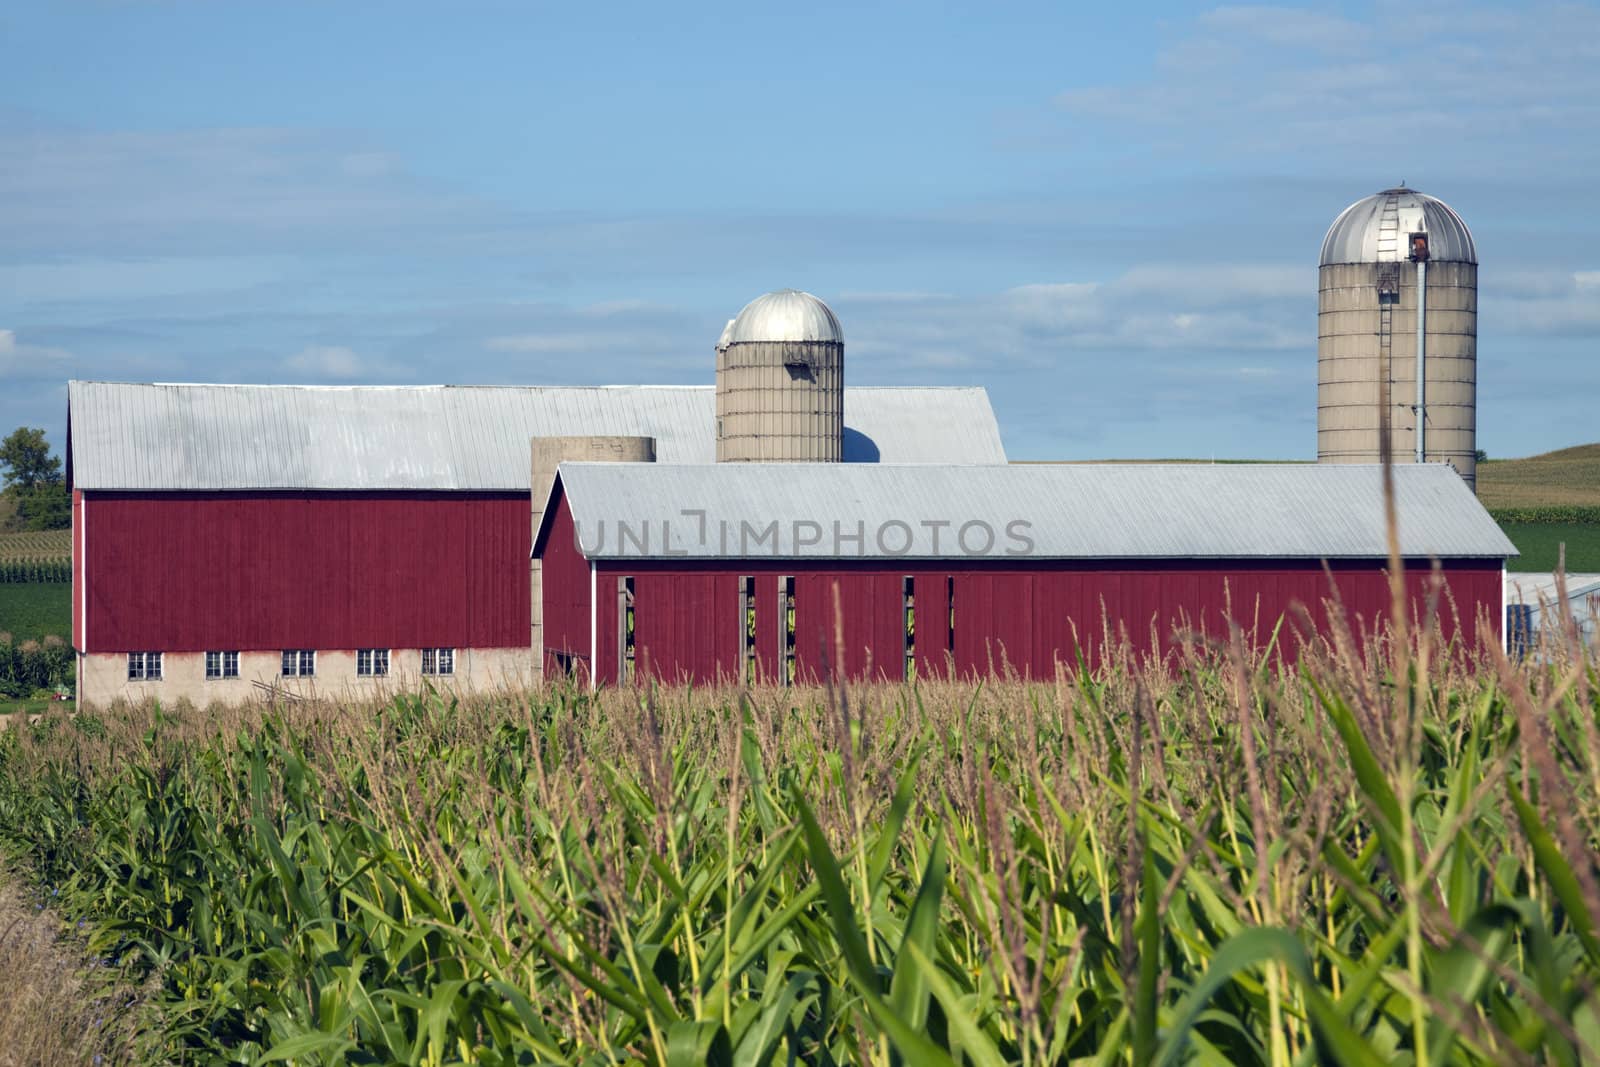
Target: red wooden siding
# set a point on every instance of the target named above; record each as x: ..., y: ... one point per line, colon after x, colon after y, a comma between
x: 1005, y: 620
x: 257, y: 571
x: 565, y: 578
x: 687, y: 626
x: 1008, y: 616
x: 872, y: 637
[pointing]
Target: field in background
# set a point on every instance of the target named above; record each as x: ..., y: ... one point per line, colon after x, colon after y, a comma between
x: 36, y: 547
x: 1218, y: 863
x: 1546, y: 500
x: 33, y: 610
x: 1539, y: 543
x: 1566, y: 478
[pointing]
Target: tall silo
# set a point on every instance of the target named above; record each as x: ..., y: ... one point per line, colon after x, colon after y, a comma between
x: 1398, y: 288
x: 780, y: 382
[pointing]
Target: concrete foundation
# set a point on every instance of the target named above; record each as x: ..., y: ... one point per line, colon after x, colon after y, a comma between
x: 103, y: 677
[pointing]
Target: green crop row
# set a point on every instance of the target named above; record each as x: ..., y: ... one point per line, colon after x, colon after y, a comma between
x: 36, y: 545
x: 1564, y: 513
x: 18, y: 571
x: 1369, y: 859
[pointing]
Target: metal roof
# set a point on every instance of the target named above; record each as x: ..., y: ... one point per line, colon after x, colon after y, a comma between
x: 1374, y: 230
x: 785, y: 315
x: 1110, y: 511
x: 198, y: 437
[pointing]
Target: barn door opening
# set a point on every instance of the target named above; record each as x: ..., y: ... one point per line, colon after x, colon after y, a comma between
x: 747, y: 629
x: 908, y: 599
x: 950, y: 623
x: 625, y: 631
x: 785, y: 628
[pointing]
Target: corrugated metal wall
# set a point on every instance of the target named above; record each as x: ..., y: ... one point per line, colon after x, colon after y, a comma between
x: 258, y: 571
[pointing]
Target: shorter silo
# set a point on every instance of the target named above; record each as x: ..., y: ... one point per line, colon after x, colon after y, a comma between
x: 780, y: 382
x: 546, y: 454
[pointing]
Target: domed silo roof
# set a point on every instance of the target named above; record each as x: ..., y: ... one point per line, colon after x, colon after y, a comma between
x: 722, y: 341
x: 785, y: 315
x: 1375, y: 230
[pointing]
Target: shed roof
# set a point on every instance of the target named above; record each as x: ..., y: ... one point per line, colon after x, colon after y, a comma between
x: 1120, y: 511
x: 135, y: 436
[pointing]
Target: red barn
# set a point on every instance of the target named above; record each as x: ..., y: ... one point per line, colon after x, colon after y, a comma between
x: 230, y: 539
x: 714, y: 572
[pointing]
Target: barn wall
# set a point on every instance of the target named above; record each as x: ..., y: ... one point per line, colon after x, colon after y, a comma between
x: 262, y: 571
x: 1006, y: 618
x: 686, y: 626
x: 564, y: 583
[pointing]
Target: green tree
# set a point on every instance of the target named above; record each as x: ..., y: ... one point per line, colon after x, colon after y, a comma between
x: 26, y: 457
x: 44, y: 507
x: 33, y: 480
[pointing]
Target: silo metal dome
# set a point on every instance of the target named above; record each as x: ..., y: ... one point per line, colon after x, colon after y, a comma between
x: 1398, y: 291
x: 780, y: 382
x: 785, y: 315
x: 1374, y: 230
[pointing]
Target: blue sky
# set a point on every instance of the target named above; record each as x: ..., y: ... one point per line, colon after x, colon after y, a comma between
x: 1109, y: 215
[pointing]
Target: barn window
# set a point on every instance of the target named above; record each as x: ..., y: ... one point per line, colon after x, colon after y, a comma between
x: 372, y: 662
x: 747, y: 629
x: 438, y: 661
x: 786, y: 629
x: 144, y: 666
x: 625, y: 630
x: 299, y: 662
x: 222, y: 664
x: 908, y: 598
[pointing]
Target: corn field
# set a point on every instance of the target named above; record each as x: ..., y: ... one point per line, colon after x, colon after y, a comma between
x: 54, y: 546
x: 1384, y: 855
x: 27, y: 571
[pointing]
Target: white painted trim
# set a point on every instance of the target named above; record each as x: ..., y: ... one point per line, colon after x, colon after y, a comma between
x: 83, y: 573
x: 1505, y: 627
x: 594, y: 622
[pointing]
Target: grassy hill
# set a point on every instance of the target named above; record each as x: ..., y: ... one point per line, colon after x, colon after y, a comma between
x: 1566, y: 478
x: 1545, y: 502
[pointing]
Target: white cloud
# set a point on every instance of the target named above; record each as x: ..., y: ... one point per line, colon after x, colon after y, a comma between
x: 20, y: 361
